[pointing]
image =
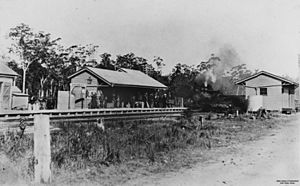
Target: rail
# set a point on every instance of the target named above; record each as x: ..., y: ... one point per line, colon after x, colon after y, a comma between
x: 12, y: 118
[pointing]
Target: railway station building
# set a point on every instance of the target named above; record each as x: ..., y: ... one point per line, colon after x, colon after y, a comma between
x: 269, y: 91
x: 112, y: 88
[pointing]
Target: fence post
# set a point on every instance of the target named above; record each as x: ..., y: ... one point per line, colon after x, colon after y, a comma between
x: 42, y: 151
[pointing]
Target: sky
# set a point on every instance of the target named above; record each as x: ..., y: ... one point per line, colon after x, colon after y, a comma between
x: 264, y: 34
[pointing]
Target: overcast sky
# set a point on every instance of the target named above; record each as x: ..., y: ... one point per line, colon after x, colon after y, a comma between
x: 264, y: 33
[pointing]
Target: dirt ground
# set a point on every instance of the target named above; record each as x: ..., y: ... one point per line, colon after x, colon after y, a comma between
x: 272, y: 160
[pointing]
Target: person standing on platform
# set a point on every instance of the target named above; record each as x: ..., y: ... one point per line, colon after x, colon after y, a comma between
x: 118, y: 101
x: 132, y: 101
x: 100, y: 98
x: 145, y: 100
x: 164, y: 100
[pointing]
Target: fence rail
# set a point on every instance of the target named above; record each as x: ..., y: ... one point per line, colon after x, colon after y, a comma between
x: 12, y: 119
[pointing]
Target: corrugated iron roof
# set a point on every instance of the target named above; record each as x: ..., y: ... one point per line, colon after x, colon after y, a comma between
x: 5, y: 70
x: 123, y: 77
x: 269, y: 75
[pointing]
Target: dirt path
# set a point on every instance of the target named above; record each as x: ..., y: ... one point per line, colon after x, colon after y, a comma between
x: 264, y: 162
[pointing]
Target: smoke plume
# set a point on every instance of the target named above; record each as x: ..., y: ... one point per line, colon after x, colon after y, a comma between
x: 226, y: 58
x: 229, y: 58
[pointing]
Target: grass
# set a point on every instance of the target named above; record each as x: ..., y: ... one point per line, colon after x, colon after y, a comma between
x: 125, y: 150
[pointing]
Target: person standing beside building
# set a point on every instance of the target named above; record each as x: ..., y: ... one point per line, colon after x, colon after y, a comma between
x: 132, y: 101
x: 145, y: 100
x: 94, y: 102
x: 164, y: 100
x: 118, y: 101
x: 83, y: 96
x: 100, y: 98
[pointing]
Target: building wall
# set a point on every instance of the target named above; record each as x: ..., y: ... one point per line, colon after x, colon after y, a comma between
x: 6, y: 79
x: 288, y: 96
x: 274, y: 99
x: 19, y: 102
x: 82, y: 78
x: 125, y: 94
x: 77, y: 90
x: 9, y: 81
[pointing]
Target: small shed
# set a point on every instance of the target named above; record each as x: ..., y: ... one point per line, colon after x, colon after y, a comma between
x: 276, y: 93
x: 19, y: 99
x: 7, y: 81
x: 116, y: 88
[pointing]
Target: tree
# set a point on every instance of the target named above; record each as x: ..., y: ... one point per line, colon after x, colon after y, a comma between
x: 78, y: 56
x: 31, y: 47
x: 106, y: 62
x: 126, y: 61
x: 227, y: 83
x: 22, y: 34
x: 159, y: 63
x: 131, y: 61
x: 239, y: 72
x: 49, y: 63
x: 34, y: 79
x: 182, y: 80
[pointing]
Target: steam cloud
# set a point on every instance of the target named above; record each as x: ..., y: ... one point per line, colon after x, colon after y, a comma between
x: 227, y: 57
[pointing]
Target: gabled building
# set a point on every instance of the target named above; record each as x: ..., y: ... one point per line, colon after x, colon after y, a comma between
x: 122, y: 86
x: 274, y: 92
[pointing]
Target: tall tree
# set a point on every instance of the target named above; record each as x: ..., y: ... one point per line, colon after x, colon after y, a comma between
x: 126, y: 61
x: 159, y: 62
x: 31, y: 47
x: 106, y: 62
x: 133, y: 62
x: 78, y: 56
x: 238, y: 72
x: 182, y: 80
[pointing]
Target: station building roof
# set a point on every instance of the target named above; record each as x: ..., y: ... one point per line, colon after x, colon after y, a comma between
x: 122, y: 77
x: 6, y: 71
x: 268, y: 74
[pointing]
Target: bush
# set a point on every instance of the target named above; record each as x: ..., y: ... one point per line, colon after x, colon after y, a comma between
x: 82, y: 145
x: 19, y: 149
x: 14, y: 145
x: 122, y: 141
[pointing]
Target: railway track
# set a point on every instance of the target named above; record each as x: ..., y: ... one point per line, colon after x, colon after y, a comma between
x: 12, y: 119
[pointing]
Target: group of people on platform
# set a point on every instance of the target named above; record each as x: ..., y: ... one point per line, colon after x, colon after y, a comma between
x: 98, y: 100
x: 37, y: 104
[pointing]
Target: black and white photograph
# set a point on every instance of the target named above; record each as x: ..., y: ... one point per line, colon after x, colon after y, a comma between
x: 149, y: 92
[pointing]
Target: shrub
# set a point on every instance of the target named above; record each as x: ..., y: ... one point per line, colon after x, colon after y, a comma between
x: 80, y: 145
x: 120, y: 142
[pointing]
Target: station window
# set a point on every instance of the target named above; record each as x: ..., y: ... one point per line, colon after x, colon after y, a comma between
x: 263, y: 91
